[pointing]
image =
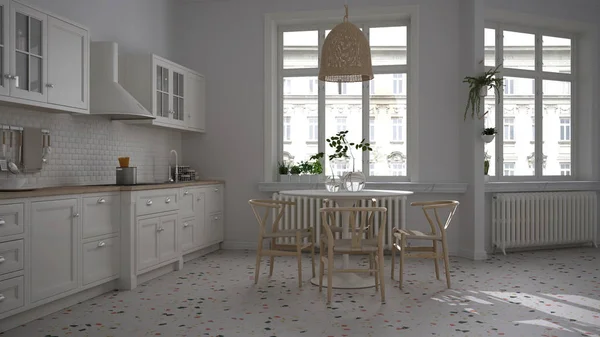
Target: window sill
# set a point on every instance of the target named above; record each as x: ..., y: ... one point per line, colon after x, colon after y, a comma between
x: 312, y: 142
x: 542, y: 186
x: 396, y: 142
x: 564, y: 142
x: 453, y: 188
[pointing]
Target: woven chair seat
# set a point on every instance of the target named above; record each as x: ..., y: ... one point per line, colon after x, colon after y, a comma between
x: 304, y: 233
x: 416, y: 235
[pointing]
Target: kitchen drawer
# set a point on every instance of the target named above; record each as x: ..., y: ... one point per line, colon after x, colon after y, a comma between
x: 187, y: 200
x: 214, y: 199
x: 100, y: 260
x: 101, y: 215
x: 11, y: 219
x: 156, y: 201
x: 189, y: 227
x: 11, y: 256
x: 11, y: 294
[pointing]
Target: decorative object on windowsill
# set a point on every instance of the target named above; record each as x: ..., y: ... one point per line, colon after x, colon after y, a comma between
x: 284, y: 171
x: 353, y: 181
x: 346, y: 54
x: 478, y: 87
x: 486, y: 169
x: 295, y: 173
x: 488, y: 134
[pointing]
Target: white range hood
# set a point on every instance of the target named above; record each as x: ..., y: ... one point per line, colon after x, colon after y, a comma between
x: 107, y: 97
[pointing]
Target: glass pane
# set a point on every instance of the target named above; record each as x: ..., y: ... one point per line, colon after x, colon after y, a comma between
x: 22, y: 31
x: 159, y: 104
x: 181, y: 111
x: 35, y: 74
x: 300, y: 121
x: 2, y: 66
x: 165, y: 77
x: 490, y: 47
x: 165, y: 105
x: 175, y: 108
x: 158, y: 78
x: 35, y: 37
x: 175, y: 84
x: 518, y: 123
x: 22, y: 77
x: 2, y: 25
x: 343, y: 114
x: 490, y: 122
x: 300, y: 49
x: 519, y: 50
x: 388, y: 45
x: 556, y: 54
x: 388, y: 115
x: 557, y: 136
x: 181, y: 92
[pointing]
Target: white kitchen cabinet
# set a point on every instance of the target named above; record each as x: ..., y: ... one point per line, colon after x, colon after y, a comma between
x: 214, y: 229
x: 188, y: 234
x: 11, y: 256
x: 68, y: 52
x: 157, y: 240
x: 11, y: 219
x: 101, y: 215
x: 188, y: 201
x: 196, y: 103
x: 100, y: 260
x: 214, y: 199
x: 11, y: 293
x: 168, y: 233
x: 171, y: 92
x: 45, y: 59
x: 200, y: 214
x: 54, y: 247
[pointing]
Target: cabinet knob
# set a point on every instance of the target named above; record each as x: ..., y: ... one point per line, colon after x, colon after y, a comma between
x: 101, y: 201
x: 76, y: 215
x: 2, y: 298
x: 10, y: 77
x: 101, y: 244
x: 49, y: 85
x: 186, y: 193
x: 149, y: 202
x: 2, y: 259
x: 2, y: 222
x: 160, y: 229
x: 216, y: 218
x: 168, y: 200
x: 186, y: 224
x: 216, y: 190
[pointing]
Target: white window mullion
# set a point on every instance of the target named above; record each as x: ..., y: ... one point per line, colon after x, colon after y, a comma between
x: 500, y: 107
x: 539, y: 110
x: 279, y: 119
x: 321, y: 100
x: 365, y: 114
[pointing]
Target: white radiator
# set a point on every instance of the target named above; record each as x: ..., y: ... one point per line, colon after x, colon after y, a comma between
x: 543, y: 219
x: 306, y: 214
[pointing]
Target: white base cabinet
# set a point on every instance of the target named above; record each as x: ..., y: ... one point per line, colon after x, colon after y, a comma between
x: 100, y: 260
x: 156, y: 240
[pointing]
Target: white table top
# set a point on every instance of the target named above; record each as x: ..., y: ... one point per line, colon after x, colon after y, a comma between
x: 345, y: 195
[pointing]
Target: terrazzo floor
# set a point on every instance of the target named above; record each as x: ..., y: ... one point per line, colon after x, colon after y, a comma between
x: 543, y: 293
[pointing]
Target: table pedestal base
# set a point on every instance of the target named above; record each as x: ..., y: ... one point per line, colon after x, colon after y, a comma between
x: 347, y: 281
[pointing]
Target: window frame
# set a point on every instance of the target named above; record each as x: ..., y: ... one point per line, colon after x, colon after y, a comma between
x: 538, y: 75
x: 564, y: 129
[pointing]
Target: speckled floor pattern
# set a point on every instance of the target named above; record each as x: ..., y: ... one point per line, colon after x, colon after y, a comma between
x: 543, y: 293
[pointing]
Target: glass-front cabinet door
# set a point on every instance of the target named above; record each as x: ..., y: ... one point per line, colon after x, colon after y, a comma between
x: 4, y: 48
x: 163, y: 91
x: 178, y: 97
x: 28, y: 59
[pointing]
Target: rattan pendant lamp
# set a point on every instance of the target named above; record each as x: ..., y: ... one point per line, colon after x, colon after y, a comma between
x: 346, y: 54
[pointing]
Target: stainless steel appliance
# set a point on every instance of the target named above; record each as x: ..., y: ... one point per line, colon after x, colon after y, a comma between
x: 126, y: 175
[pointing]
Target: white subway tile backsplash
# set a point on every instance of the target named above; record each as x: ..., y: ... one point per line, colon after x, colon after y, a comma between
x: 85, y: 148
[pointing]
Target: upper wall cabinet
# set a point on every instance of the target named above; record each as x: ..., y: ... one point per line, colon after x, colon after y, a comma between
x: 172, y: 93
x: 45, y: 59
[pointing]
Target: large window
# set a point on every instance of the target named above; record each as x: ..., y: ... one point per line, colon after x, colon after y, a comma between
x: 321, y: 109
x: 533, y: 115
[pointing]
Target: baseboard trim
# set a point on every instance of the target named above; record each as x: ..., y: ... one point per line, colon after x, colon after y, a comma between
x: 21, y: 318
x: 200, y: 252
x: 239, y: 245
x: 472, y: 255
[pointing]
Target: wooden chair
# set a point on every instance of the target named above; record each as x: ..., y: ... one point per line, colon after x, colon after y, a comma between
x: 360, y: 219
x: 262, y: 209
x: 402, y: 235
x: 339, y: 229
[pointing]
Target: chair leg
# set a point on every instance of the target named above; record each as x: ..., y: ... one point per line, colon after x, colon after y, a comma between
x: 374, y: 264
x: 321, y: 272
x: 401, y: 269
x: 380, y: 270
x: 435, y: 260
x: 312, y: 257
x: 329, y: 276
x: 258, y: 256
x: 446, y: 261
x: 393, y: 257
x: 272, y: 260
x: 299, y: 257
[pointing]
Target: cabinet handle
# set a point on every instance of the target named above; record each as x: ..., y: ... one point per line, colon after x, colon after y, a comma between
x: 2, y: 259
x: 101, y: 201
x: 149, y: 202
x: 10, y: 77
x: 216, y: 218
x: 76, y: 215
x: 49, y: 85
x: 160, y: 229
x: 101, y: 244
x: 2, y: 222
x: 168, y: 200
x: 186, y: 224
x: 216, y: 190
x: 186, y: 193
x: 2, y: 298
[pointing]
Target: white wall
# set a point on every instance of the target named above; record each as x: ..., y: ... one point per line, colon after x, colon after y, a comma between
x: 224, y: 40
x: 85, y: 147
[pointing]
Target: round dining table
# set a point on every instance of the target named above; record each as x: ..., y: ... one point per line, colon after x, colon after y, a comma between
x: 349, y: 199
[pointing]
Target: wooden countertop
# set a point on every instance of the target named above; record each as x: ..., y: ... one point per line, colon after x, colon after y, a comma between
x: 82, y: 189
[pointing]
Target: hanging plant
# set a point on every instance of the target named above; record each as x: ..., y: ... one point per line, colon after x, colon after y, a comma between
x: 478, y: 87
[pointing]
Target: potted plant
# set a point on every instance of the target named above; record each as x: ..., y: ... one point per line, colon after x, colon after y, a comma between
x: 478, y: 87
x: 295, y: 171
x: 284, y: 171
x: 486, y: 169
x: 488, y: 134
x: 317, y: 167
x: 305, y: 171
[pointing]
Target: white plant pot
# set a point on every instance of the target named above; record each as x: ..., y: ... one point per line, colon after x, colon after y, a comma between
x: 487, y: 138
x: 486, y: 178
x: 483, y: 91
x: 305, y: 178
x: 284, y: 178
x: 294, y: 178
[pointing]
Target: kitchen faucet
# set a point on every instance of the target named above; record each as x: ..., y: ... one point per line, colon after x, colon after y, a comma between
x: 176, y: 168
